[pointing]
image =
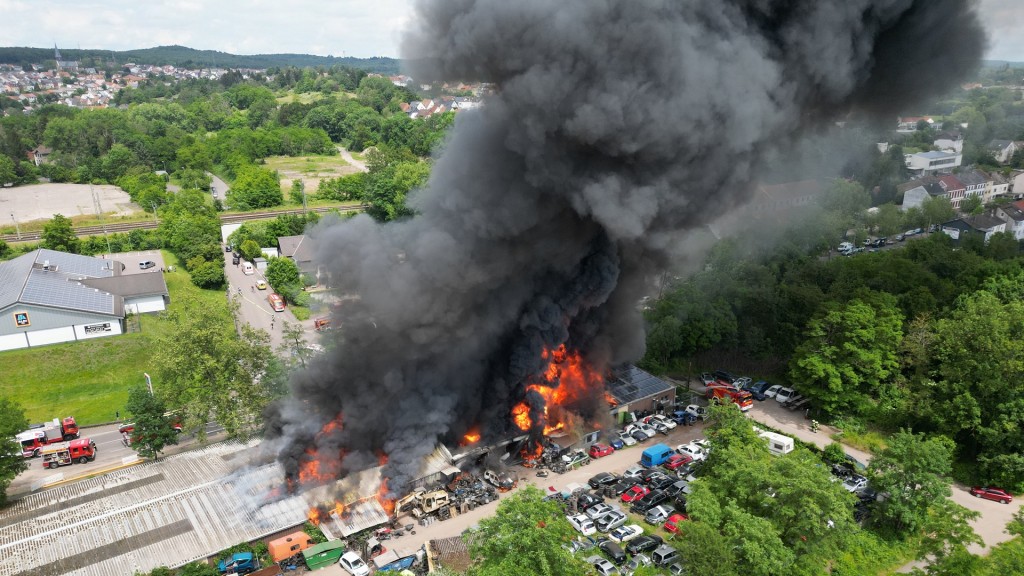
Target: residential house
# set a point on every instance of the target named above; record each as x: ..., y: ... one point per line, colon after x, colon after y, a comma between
x: 40, y: 155
x: 917, y: 191
x: 301, y: 250
x: 1002, y: 150
x: 1017, y: 183
x: 949, y: 142
x: 974, y: 183
x: 1013, y: 215
x: 996, y: 185
x: 982, y: 224
x: 955, y: 190
x: 925, y: 163
x: 909, y: 123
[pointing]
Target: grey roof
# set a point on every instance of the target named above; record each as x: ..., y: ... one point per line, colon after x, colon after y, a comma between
x: 999, y: 144
x: 631, y: 384
x: 51, y: 278
x: 1012, y: 212
x: 141, y: 284
x: 298, y: 248
x: 983, y: 222
x: 935, y: 155
x: 971, y: 177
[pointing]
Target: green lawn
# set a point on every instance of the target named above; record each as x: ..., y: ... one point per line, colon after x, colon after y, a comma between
x: 90, y: 379
x: 291, y: 166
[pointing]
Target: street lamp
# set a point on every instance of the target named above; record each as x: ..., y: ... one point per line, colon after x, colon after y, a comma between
x: 149, y: 382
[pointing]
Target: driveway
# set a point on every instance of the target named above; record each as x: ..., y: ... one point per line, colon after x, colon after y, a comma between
x: 994, y: 516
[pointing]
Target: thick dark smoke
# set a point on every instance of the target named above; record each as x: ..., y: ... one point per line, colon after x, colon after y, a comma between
x: 615, y: 128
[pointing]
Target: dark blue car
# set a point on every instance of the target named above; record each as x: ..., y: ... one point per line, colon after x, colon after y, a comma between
x: 757, y: 389
x: 616, y: 443
x: 683, y: 418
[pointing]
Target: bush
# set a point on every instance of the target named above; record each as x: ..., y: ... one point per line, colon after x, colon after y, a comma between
x: 207, y: 274
x: 301, y: 313
x: 834, y: 453
x: 314, y: 533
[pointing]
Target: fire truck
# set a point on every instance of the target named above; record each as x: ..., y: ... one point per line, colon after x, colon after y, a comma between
x: 34, y: 439
x: 82, y: 451
x: 724, y: 392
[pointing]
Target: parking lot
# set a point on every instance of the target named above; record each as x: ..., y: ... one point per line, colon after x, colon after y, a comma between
x: 131, y: 261
x: 42, y: 201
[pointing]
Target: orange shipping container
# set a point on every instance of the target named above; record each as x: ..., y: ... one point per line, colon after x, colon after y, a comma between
x: 290, y: 545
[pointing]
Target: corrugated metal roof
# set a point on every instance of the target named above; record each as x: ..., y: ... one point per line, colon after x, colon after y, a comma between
x: 13, y: 275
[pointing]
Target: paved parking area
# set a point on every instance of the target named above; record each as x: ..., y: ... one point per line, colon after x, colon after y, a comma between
x: 42, y: 201
x: 131, y: 261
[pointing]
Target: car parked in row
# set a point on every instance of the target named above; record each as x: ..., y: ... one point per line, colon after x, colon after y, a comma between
x: 613, y: 550
x: 602, y: 566
x: 626, y: 438
x: 600, y: 509
x: 582, y: 523
x: 602, y: 479
x: 600, y: 450
x: 644, y: 543
x: 656, y: 516
x: 673, y: 521
x: 635, y: 493
x: 610, y: 521
x: 626, y: 533
x: 694, y: 451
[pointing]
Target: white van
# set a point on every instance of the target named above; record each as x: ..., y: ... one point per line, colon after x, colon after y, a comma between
x: 778, y: 444
x: 248, y: 269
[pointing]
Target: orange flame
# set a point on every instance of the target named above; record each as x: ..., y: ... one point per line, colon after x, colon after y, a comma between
x: 338, y: 510
x: 382, y: 497
x: 610, y: 399
x: 471, y: 437
x: 566, y: 381
x: 314, y: 516
x: 382, y: 459
x: 521, y: 416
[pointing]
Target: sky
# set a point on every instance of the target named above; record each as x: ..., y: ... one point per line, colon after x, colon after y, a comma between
x: 360, y: 28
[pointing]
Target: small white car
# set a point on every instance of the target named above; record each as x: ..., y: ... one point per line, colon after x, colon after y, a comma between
x: 855, y: 483
x: 693, y: 451
x: 633, y: 471
x: 703, y: 443
x: 670, y: 423
x: 697, y: 411
x: 784, y: 394
x: 647, y: 429
x: 583, y: 523
x: 626, y: 533
x: 772, y: 390
x: 627, y: 439
x: 353, y: 564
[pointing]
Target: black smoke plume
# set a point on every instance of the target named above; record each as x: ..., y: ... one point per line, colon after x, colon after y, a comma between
x: 615, y: 127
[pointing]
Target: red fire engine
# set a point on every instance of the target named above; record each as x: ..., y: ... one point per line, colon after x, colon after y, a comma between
x: 82, y: 451
x: 724, y: 392
x: 33, y: 440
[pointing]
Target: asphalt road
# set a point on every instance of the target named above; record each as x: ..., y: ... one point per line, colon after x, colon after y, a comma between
x: 111, y: 454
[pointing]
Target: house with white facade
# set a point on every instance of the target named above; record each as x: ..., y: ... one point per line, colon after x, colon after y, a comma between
x: 1002, y: 150
x: 1013, y: 215
x: 981, y: 224
x: 925, y: 163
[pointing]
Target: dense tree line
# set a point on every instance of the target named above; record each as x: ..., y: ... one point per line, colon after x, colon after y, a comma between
x: 923, y: 336
x: 185, y: 57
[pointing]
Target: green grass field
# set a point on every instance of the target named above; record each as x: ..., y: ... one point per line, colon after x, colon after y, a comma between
x: 291, y: 166
x: 90, y: 379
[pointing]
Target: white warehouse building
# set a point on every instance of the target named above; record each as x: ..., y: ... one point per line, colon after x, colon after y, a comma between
x: 47, y: 297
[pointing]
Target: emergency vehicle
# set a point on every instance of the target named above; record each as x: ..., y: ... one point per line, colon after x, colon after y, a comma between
x: 81, y: 451
x: 33, y: 440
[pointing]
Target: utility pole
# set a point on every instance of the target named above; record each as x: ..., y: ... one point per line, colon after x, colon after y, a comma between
x: 16, y: 227
x: 99, y: 214
x: 149, y: 382
x: 302, y: 186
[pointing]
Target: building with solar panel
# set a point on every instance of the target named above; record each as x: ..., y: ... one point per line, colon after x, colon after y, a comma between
x: 631, y: 389
x: 48, y: 297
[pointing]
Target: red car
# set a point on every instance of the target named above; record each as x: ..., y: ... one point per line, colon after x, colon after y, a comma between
x: 672, y: 524
x: 635, y: 493
x: 599, y: 450
x: 676, y: 461
x: 992, y: 493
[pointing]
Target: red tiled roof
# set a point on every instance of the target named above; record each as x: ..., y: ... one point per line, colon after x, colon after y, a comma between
x: 950, y: 182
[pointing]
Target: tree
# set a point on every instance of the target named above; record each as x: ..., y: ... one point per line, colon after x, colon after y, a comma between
x: 293, y: 343
x: 972, y: 205
x: 206, y: 274
x: 255, y: 187
x: 297, y: 193
x: 937, y: 210
x: 250, y: 250
x: 911, y: 470
x: 283, y: 275
x: 153, y: 430
x: 848, y: 352
x: 213, y: 373
x: 59, y: 235
x: 7, y: 172
x: 12, y: 422
x: 189, y: 226
x: 524, y: 536
x: 1002, y: 246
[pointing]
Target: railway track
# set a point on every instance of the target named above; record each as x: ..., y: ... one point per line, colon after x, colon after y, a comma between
x: 113, y: 227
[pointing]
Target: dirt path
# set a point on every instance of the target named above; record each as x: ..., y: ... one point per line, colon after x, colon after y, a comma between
x: 351, y: 160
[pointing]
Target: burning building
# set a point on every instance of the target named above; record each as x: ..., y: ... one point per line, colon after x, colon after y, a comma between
x: 613, y: 130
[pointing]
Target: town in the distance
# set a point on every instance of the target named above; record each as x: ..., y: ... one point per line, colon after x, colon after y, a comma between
x: 828, y: 381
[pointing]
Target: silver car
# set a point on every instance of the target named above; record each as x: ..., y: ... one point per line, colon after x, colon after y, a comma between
x: 610, y: 521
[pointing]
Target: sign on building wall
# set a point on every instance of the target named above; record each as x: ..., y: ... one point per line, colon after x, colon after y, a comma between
x: 97, y: 328
x: 21, y: 320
